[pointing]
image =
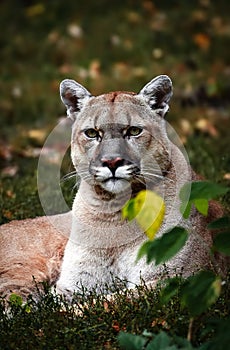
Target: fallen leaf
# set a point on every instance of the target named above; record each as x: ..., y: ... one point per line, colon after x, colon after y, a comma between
x: 202, y: 40
x: 75, y: 30
x: 186, y: 127
x: 10, y: 170
x: 35, y: 10
x: 31, y: 152
x: 10, y: 194
x: 157, y: 53
x: 205, y: 126
x: 95, y: 69
x: 5, y: 151
x: 226, y: 176
x: 199, y: 16
x: 139, y: 72
x: 37, y: 134
x: 116, y: 326
x: 134, y: 17
x: 7, y: 214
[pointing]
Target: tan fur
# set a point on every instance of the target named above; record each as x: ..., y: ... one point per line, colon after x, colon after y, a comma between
x: 31, y: 248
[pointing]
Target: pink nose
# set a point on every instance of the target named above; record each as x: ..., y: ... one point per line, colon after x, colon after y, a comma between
x: 113, y: 163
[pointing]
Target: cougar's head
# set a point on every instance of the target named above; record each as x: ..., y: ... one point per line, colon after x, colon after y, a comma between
x: 119, y: 139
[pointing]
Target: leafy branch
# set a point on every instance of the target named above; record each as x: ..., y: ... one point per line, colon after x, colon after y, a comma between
x: 196, y: 293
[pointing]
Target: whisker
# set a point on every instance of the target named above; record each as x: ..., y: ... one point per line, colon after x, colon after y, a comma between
x: 68, y: 176
x: 76, y: 185
x: 154, y: 170
x: 85, y: 177
x: 152, y: 176
x: 140, y: 180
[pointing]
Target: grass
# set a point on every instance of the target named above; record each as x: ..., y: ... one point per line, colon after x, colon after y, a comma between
x: 107, y: 46
x: 94, y: 321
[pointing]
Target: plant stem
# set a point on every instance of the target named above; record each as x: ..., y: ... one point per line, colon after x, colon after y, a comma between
x: 189, y: 335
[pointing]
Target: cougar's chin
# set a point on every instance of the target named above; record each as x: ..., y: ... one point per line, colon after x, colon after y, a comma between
x: 115, y: 185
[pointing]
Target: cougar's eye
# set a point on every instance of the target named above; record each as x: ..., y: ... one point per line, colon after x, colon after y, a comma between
x: 133, y: 131
x: 92, y: 133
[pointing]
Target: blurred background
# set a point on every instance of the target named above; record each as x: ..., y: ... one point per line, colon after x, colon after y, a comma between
x: 109, y: 45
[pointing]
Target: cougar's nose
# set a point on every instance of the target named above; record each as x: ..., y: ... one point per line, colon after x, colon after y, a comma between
x: 112, y: 163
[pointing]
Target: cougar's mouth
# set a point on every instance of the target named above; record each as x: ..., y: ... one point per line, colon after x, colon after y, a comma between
x: 116, y: 186
x: 114, y: 178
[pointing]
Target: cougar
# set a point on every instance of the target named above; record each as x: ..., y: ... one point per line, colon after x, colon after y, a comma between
x: 120, y: 145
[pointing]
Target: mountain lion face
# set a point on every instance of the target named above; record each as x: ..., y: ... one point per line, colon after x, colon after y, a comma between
x: 119, y: 139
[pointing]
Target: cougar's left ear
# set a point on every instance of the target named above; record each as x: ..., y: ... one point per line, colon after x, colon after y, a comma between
x: 157, y: 93
x: 74, y: 96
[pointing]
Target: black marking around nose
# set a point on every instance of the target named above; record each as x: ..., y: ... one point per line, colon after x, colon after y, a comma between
x: 112, y: 163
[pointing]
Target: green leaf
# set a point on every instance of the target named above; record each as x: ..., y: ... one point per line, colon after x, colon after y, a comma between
x: 183, y: 343
x: 221, y: 243
x: 221, y: 338
x: 148, y: 248
x: 201, y: 193
x: 161, y: 342
x: 171, y: 289
x: 148, y: 209
x: 185, y: 192
x: 165, y: 247
x: 15, y: 299
x: 202, y: 206
x: 205, y: 346
x: 151, y: 250
x: 201, y: 291
x: 144, y: 249
x: 185, y: 209
x: 129, y: 341
x: 170, y: 244
x: 221, y: 223
x: 149, y: 341
x: 206, y: 190
x: 128, y: 211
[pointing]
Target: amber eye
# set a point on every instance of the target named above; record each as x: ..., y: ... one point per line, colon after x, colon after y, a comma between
x: 133, y: 131
x: 92, y: 133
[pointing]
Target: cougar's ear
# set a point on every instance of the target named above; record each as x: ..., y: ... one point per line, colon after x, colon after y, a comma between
x: 74, y: 96
x: 157, y: 93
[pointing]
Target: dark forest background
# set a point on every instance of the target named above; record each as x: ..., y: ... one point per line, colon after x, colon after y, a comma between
x: 109, y: 45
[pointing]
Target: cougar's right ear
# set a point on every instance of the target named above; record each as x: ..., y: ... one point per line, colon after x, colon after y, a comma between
x: 74, y: 96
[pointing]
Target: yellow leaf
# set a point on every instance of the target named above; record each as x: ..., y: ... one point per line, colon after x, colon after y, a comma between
x: 150, y: 210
